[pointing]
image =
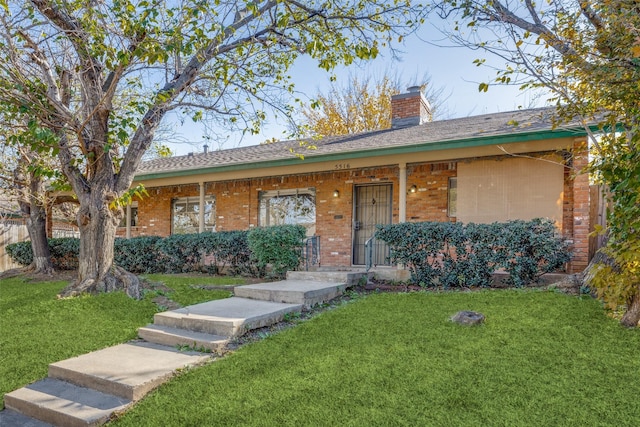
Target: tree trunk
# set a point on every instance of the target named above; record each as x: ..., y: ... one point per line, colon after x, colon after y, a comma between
x: 96, y: 271
x: 631, y: 318
x: 33, y: 207
x: 37, y: 228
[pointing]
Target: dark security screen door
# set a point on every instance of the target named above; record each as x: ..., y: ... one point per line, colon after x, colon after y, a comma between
x: 372, y: 205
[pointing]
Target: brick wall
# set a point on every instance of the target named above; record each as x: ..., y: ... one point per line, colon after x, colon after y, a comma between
x: 407, y: 107
x: 430, y: 201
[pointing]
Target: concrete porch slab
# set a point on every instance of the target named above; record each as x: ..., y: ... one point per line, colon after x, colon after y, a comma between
x: 229, y: 317
x: 62, y: 404
x: 305, y: 292
x: 127, y: 370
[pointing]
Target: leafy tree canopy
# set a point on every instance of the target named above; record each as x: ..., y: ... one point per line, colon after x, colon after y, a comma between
x: 363, y: 103
x: 101, y: 76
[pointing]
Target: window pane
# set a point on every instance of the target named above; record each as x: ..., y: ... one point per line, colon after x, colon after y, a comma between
x: 210, y: 214
x: 289, y: 209
x: 134, y: 217
x: 186, y: 215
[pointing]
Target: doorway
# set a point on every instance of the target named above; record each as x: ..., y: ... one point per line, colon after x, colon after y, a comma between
x: 373, y: 204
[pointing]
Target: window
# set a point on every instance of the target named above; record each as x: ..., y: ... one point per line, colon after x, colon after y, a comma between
x: 452, y: 206
x: 289, y: 207
x: 186, y: 215
x: 134, y: 216
x: 510, y: 188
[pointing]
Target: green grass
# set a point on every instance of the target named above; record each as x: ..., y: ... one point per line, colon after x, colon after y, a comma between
x: 541, y: 359
x: 37, y: 329
x: 184, y: 292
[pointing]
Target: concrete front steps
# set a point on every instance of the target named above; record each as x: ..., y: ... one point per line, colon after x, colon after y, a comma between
x: 87, y: 390
x: 212, y: 324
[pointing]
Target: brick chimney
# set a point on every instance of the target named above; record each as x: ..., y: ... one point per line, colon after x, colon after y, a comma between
x: 410, y: 108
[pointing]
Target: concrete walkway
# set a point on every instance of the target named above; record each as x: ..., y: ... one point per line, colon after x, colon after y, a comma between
x: 86, y: 390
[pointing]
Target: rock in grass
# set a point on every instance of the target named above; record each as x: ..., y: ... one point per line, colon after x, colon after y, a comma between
x: 468, y: 318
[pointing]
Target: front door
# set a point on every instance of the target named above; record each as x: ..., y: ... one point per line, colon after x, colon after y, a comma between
x: 373, y: 205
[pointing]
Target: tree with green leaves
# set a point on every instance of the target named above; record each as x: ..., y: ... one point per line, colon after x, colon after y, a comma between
x: 103, y: 74
x: 587, y: 55
x: 24, y: 177
x: 363, y: 103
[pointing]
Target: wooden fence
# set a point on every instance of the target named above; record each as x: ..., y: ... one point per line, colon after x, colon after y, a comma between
x: 11, y: 231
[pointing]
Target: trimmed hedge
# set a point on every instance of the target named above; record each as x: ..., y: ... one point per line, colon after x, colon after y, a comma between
x: 227, y: 252
x: 138, y: 254
x: 64, y: 252
x: 21, y: 252
x: 456, y: 255
x: 279, y: 246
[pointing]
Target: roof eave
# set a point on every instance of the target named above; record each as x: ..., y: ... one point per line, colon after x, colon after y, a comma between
x: 376, y: 152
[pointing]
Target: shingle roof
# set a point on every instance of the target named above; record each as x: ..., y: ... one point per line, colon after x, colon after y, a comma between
x: 467, y: 128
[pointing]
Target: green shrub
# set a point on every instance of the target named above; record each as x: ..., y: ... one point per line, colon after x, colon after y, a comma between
x: 528, y: 249
x: 225, y: 251
x: 228, y: 252
x: 452, y: 254
x: 138, y: 254
x: 280, y: 246
x: 64, y: 252
x: 21, y: 252
x: 180, y: 253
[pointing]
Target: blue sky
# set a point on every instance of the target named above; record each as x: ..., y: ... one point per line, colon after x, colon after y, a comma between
x: 450, y: 67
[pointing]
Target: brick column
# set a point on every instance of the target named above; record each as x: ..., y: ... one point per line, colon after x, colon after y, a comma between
x: 580, y: 207
x: 402, y: 199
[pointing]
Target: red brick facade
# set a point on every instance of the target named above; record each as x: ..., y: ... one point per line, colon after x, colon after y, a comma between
x: 430, y: 201
x: 237, y: 203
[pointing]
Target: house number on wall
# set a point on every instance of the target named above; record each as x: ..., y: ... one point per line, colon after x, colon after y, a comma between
x: 339, y: 166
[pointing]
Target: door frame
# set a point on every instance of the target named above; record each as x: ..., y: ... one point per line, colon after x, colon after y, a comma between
x: 354, y: 244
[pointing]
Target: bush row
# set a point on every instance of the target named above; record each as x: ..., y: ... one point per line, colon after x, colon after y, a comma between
x: 64, y: 252
x: 456, y: 255
x: 229, y: 252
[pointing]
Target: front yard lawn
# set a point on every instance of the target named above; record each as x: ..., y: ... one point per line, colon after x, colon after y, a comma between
x: 541, y: 359
x: 37, y: 329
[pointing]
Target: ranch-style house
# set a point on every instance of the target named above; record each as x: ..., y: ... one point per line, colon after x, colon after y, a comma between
x: 485, y: 168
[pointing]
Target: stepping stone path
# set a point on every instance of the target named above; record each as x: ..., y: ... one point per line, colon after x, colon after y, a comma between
x: 87, y: 390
